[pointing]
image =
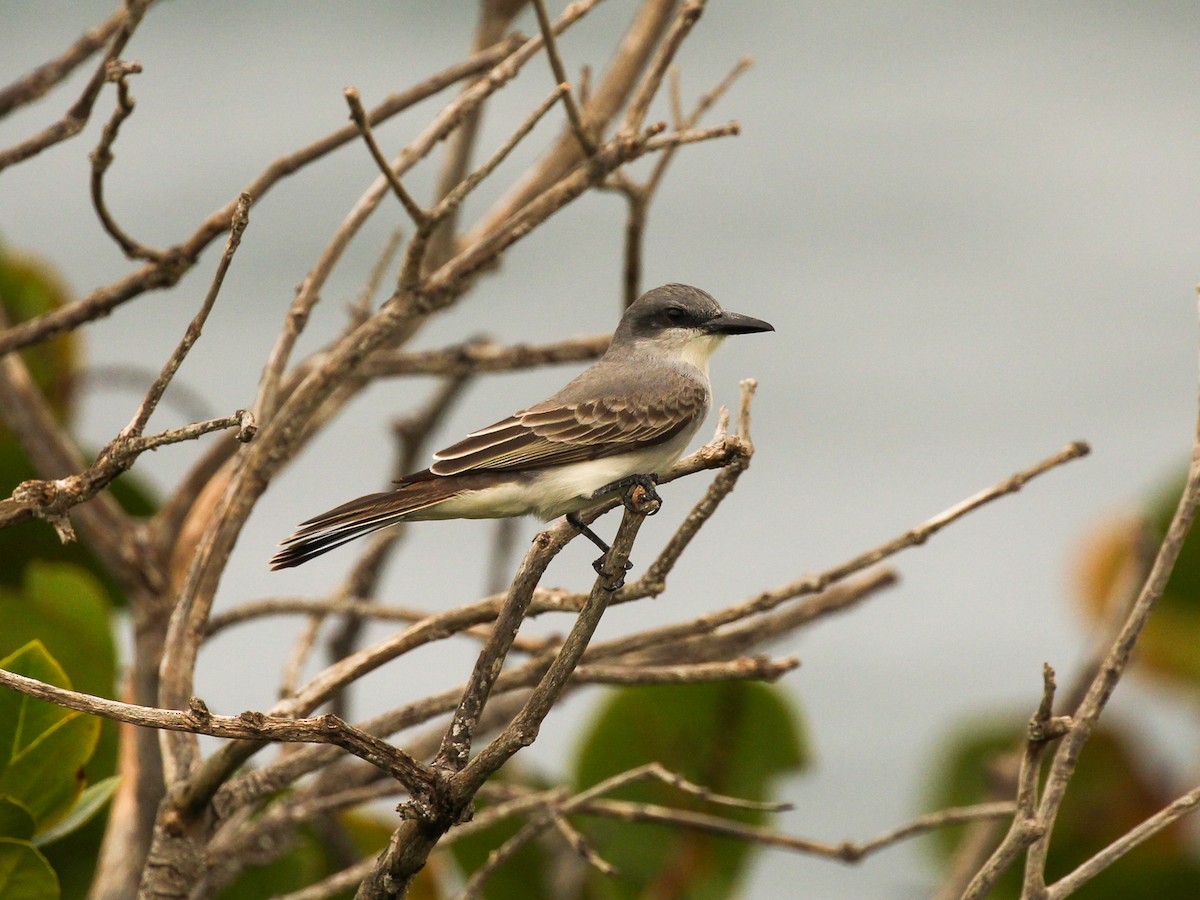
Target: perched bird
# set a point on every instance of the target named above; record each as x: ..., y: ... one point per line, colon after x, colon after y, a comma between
x: 625, y: 419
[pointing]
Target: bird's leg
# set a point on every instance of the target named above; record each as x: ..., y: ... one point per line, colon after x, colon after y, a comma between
x: 640, y: 495
x: 577, y: 523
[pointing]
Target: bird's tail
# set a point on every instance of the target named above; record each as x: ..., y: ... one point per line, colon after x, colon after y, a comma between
x: 358, y: 517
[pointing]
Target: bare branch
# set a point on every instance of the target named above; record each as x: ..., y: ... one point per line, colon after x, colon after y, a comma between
x: 448, y: 206
x: 757, y: 668
x: 635, y: 48
x: 586, y: 144
x: 77, y: 116
x: 359, y: 116
x: 437, y: 130
x: 37, y: 82
x: 646, y: 90
x: 524, y: 728
x: 812, y: 584
x: 495, y: 17
x: 1025, y: 827
x: 846, y: 851
x: 484, y: 356
x: 1105, y: 681
x: 241, y: 218
x: 102, y: 158
x: 52, y: 499
x: 182, y: 257
x: 580, y: 845
x: 1071, y: 882
x: 247, y: 726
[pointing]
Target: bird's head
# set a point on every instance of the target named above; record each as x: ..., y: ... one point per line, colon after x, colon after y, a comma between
x: 683, y: 322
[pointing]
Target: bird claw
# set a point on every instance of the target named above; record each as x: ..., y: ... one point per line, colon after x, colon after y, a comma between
x: 615, y: 580
x: 642, y: 498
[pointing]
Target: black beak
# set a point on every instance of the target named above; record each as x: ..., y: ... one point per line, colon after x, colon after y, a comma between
x: 735, y: 323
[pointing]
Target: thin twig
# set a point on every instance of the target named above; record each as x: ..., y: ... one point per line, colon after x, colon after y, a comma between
x: 495, y: 19
x: 523, y: 729
x: 241, y: 218
x: 846, y: 851
x: 1066, y: 757
x: 359, y: 116
x: 247, y: 726
x: 812, y: 584
x: 77, y: 116
x: 604, y: 103
x: 52, y: 499
x: 560, y: 75
x: 1025, y: 827
x: 447, y: 207
x: 360, y: 310
x: 1085, y: 872
x: 484, y: 356
x: 38, y: 81
x: 182, y: 257
x: 639, y: 105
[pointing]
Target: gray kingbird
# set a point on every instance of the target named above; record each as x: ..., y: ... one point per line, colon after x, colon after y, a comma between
x: 626, y: 418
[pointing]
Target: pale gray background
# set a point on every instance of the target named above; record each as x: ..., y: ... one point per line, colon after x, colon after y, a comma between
x: 975, y: 229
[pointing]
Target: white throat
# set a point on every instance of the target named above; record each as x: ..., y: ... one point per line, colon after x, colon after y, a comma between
x: 683, y: 349
x: 696, y: 352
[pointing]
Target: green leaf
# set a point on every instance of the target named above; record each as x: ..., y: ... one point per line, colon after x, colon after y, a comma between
x: 733, y: 738
x: 29, y: 287
x: 23, y: 719
x: 43, y: 748
x: 24, y: 873
x: 90, y: 802
x: 15, y: 820
x: 67, y: 609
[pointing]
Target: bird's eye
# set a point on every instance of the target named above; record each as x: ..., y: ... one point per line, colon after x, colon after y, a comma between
x: 675, y: 315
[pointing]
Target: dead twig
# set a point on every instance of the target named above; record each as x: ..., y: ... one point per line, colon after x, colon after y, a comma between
x: 77, y: 116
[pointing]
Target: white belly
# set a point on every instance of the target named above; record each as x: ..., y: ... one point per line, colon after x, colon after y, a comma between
x: 558, y: 490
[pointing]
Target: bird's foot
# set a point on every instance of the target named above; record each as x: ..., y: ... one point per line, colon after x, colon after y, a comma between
x: 639, y: 496
x: 614, y: 581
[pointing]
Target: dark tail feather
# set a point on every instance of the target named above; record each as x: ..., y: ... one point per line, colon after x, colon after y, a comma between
x: 330, y: 530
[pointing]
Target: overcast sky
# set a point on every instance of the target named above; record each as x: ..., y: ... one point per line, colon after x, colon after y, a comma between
x: 973, y: 226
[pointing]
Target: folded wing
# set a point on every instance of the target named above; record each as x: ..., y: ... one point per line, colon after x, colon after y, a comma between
x: 560, y: 431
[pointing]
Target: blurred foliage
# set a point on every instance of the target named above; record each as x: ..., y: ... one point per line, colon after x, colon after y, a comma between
x: 45, y: 753
x: 67, y: 610
x: 734, y: 738
x: 24, y: 872
x: 1118, y: 783
x: 311, y: 859
x: 35, y: 540
x: 56, y: 617
x: 1112, y: 791
x: 28, y: 288
x: 1114, y: 556
x: 528, y: 874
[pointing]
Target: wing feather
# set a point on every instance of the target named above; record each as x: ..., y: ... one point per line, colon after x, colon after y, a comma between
x: 563, y: 429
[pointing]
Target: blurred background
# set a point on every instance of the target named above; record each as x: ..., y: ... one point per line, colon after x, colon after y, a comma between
x: 975, y: 229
